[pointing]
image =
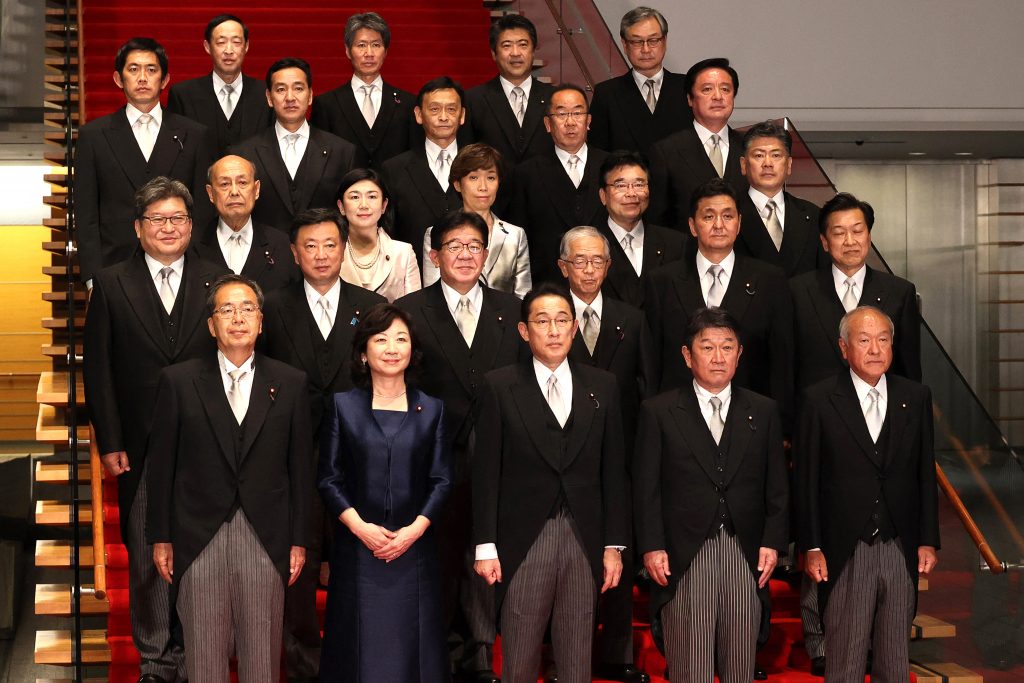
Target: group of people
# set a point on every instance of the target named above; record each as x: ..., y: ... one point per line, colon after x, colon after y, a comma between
x: 481, y: 361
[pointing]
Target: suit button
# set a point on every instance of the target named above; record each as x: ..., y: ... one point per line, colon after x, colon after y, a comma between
x: 875, y: 516
x: 171, y: 323
x: 717, y: 490
x: 472, y: 371
x: 170, y: 339
x: 720, y: 469
x: 722, y: 484
x: 721, y: 500
x: 723, y: 514
x: 472, y: 385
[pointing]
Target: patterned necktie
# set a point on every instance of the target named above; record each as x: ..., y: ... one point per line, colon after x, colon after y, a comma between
x: 717, y: 290
x: 873, y: 413
x: 627, y: 246
x: 236, y: 252
x: 555, y: 401
x: 228, y: 104
x: 145, y: 135
x: 235, y: 398
x: 291, y: 154
x: 716, y: 424
x: 519, y: 103
x: 368, y: 113
x: 651, y: 100
x: 850, y: 295
x: 465, y: 320
x: 715, y: 154
x: 591, y: 328
x: 326, y: 321
x: 166, y: 293
x: 574, y: 172
x: 441, y: 171
x: 773, y: 224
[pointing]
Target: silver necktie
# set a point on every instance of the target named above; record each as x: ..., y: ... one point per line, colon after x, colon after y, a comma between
x: 873, y: 413
x: 651, y: 100
x: 717, y: 290
x: 228, y: 104
x: 591, y: 328
x: 442, y: 170
x: 715, y: 154
x: 773, y: 225
x: 555, y: 401
x: 145, y: 134
x: 627, y: 246
x: 519, y: 103
x: 465, y: 320
x: 166, y: 293
x: 236, y: 253
x: 291, y: 154
x: 850, y: 295
x: 574, y: 171
x: 368, y: 113
x: 326, y: 321
x: 235, y: 398
x: 716, y: 424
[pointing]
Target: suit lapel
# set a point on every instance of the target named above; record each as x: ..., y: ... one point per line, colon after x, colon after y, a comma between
x: 694, y: 155
x: 536, y: 415
x: 384, y: 271
x: 210, y: 388
x: 125, y: 148
x: 352, y: 112
x: 269, y: 152
x: 687, y: 286
x: 896, y: 416
x: 796, y: 234
x: 206, y: 98
x: 741, y: 290
x: 502, y: 112
x: 170, y: 142
x: 654, y: 249
x: 296, y: 317
x: 264, y: 393
x: 827, y: 307
x: 259, y: 252
x: 609, y: 336
x: 875, y: 292
x: 495, y: 245
x: 633, y: 106
x: 844, y: 400
x: 535, y: 108
x: 584, y: 403
x: 311, y: 168
x: 134, y: 281
x: 739, y: 426
x: 490, y: 329
x: 192, y: 312
x: 388, y: 104
x: 560, y: 187
x: 424, y: 180
x: 449, y: 339
x: 690, y: 424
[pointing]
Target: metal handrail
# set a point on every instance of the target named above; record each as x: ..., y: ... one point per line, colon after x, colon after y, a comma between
x: 567, y: 34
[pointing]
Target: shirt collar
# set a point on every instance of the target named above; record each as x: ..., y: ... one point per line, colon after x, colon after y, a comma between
x: 507, y: 86
x: 761, y: 200
x: 580, y: 305
x: 641, y: 79
x: 727, y: 264
x: 703, y: 395
x: 224, y: 232
x: 134, y: 114
x: 562, y: 373
x: 333, y: 294
x: 155, y: 266
x: 358, y: 83
x: 236, y: 86
x: 280, y: 131
x: 704, y: 134
x: 862, y: 388
x: 227, y: 366
x: 839, y: 277
x: 563, y: 157
x: 434, y: 149
x: 637, y: 232
x: 452, y: 297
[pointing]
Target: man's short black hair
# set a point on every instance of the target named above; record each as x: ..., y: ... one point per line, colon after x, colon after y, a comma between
x: 142, y: 45
x: 563, y: 87
x: 709, y: 318
x: 712, y: 63
x: 509, y: 22
x: 620, y: 158
x: 712, y: 188
x: 220, y: 19
x: 768, y: 129
x: 440, y: 83
x: 315, y: 216
x: 453, y: 220
x: 545, y: 289
x: 289, y: 63
x: 844, y: 201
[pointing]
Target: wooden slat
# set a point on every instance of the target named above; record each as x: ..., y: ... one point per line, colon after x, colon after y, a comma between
x: 58, y: 513
x: 59, y: 350
x: 51, y: 553
x: 62, y: 323
x: 55, y: 647
x: 61, y: 296
x: 58, y: 270
x: 54, y: 599
x: 943, y: 673
x: 59, y: 472
x: 930, y: 627
x: 51, y: 427
x: 53, y: 389
x: 55, y: 223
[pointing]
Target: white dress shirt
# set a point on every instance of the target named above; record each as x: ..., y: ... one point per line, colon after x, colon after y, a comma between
x: 300, y: 144
x: 704, y: 401
x: 507, y: 86
x: 761, y: 202
x: 640, y: 79
x: 563, y: 158
x: 723, y: 144
x: 375, y: 96
x: 236, y: 92
x: 175, y: 278
x: 244, y: 382
x: 728, y: 263
x: 862, y: 388
x: 637, y: 260
x: 133, y: 115
x: 839, y: 278
x: 224, y: 233
x: 452, y: 298
x: 433, y: 151
x: 580, y: 305
x: 333, y: 296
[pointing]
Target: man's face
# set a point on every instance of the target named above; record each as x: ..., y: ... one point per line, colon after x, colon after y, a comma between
x: 716, y: 223
x: 626, y: 194
x: 290, y: 96
x: 233, y: 190
x: 585, y: 281
x: 847, y: 240
x: 366, y: 54
x: 713, y: 358
x: 227, y: 47
x: 549, y: 329
x: 514, y: 55
x: 869, y: 351
x: 167, y: 242
x: 767, y: 165
x: 142, y: 79
x: 644, y: 56
x: 568, y: 120
x: 441, y: 114
x: 319, y: 250
x: 712, y: 98
x: 235, y: 332
x: 460, y: 268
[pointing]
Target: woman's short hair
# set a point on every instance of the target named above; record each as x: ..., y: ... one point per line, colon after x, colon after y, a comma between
x: 375, y: 321
x: 475, y: 157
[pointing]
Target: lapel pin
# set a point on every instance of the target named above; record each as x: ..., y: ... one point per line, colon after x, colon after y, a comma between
x: 750, y: 289
x: 273, y: 393
x: 206, y: 284
x: 419, y: 409
x: 270, y: 259
x: 324, y: 152
x: 597, y: 404
x: 618, y: 330
x: 750, y: 423
x: 354, y: 321
x: 398, y: 100
x: 178, y: 140
x: 500, y: 319
x: 903, y: 405
x: 387, y: 257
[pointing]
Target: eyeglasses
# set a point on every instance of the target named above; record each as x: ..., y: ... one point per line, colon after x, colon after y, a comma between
x: 563, y: 116
x: 456, y: 247
x: 580, y: 262
x: 177, y: 220
x: 228, y: 311
x: 560, y: 323
x: 622, y: 187
x: 637, y: 43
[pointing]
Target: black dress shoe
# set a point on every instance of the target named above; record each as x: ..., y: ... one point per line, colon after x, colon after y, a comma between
x: 759, y: 673
x: 151, y: 678
x: 627, y: 673
x: 818, y: 666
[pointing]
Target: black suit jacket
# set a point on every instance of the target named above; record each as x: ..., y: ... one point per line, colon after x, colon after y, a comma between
x: 196, y: 99
x: 757, y: 296
x: 270, y: 262
x: 202, y: 462
x: 841, y: 472
x: 661, y: 246
x: 625, y: 349
x: 109, y: 167
x: 680, y: 164
x: 544, y: 202
x: 817, y: 311
x: 621, y: 119
x: 454, y: 372
x: 288, y: 326
x: 522, y: 472
x: 489, y: 119
x: 801, y: 246
x: 416, y: 197
x: 125, y: 350
x: 678, y: 482
x: 316, y: 181
x: 393, y: 130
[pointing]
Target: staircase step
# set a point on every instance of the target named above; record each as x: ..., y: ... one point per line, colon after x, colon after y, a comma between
x: 58, y: 513
x: 56, y: 647
x: 943, y: 673
x: 58, y: 554
x: 59, y: 472
x: 931, y: 627
x: 53, y: 389
x: 54, y: 599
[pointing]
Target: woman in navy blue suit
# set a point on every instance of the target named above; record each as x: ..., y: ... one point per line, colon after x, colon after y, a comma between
x: 385, y: 472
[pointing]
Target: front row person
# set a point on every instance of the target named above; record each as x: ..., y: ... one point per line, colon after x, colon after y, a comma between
x: 869, y: 509
x: 228, y: 479
x: 385, y: 472
x: 549, y: 493
x: 710, y: 497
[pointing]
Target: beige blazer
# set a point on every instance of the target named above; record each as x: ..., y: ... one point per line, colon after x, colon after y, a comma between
x: 507, y: 268
x: 396, y: 274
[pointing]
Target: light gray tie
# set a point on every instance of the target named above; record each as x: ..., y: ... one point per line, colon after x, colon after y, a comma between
x: 519, y: 103
x: 235, y: 398
x: 145, y: 134
x: 627, y: 246
x: 555, y: 401
x: 368, y: 113
x: 291, y: 154
x: 465, y: 320
x: 717, y: 290
x: 442, y: 169
x: 715, y: 154
x: 651, y: 100
x: 850, y: 300
x: 574, y: 171
x: 228, y: 104
x: 773, y: 224
x: 716, y: 424
x: 591, y: 328
x: 236, y: 252
x: 166, y: 293
x: 326, y: 321
x: 873, y: 413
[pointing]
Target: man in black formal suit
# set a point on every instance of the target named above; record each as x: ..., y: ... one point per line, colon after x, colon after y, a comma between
x: 707, y: 149
x: 549, y: 494
x: 299, y: 166
x: 373, y: 115
x: 146, y: 313
x: 636, y: 247
x: 506, y: 111
x: 118, y: 153
x: 754, y: 293
x: 778, y: 228
x: 418, y: 179
x: 646, y: 104
x: 868, y: 507
x: 257, y: 251
x: 710, y: 498
x: 558, y: 189
x: 465, y: 329
x: 229, y: 103
x: 229, y: 478
x: 612, y: 336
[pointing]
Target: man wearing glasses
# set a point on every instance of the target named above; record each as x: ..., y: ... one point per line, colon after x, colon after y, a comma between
x: 636, y: 247
x: 557, y: 189
x: 465, y: 330
x: 549, y: 493
x: 145, y: 313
